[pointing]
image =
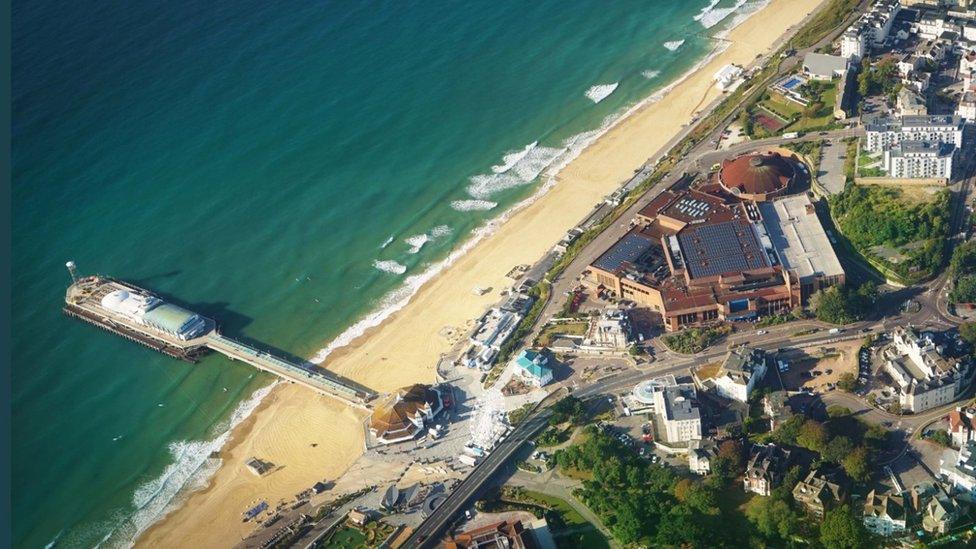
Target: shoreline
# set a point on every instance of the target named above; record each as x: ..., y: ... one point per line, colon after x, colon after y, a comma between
x: 403, y: 345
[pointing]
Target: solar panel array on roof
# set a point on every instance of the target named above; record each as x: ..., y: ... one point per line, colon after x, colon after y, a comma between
x: 721, y: 248
x: 693, y: 208
x: 628, y: 249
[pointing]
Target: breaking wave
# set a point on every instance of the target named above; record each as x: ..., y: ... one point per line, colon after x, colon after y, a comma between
x: 706, y: 10
x: 511, y: 159
x: 192, y: 466
x: 651, y: 74
x: 601, y: 91
x: 390, y: 266
x: 526, y: 170
x: 417, y: 242
x: 715, y: 16
x: 473, y: 205
x: 673, y: 45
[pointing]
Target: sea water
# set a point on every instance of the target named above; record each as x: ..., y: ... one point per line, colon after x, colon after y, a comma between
x: 293, y: 170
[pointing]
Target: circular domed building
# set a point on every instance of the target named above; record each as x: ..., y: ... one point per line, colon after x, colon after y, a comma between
x: 757, y: 176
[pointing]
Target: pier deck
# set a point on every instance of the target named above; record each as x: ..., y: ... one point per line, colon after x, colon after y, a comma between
x: 84, y: 300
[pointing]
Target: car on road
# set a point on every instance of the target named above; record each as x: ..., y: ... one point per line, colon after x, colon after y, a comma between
x: 761, y: 332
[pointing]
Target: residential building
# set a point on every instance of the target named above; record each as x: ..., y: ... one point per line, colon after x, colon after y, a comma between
x: 818, y: 494
x: 870, y: 30
x: 923, y: 376
x: 885, y: 133
x: 403, y: 414
x: 958, y: 468
x: 854, y: 43
x: 767, y: 464
x: 533, y: 366
x: 742, y: 369
x: 700, y: 456
x: 675, y: 408
x: 966, y: 109
x: 776, y: 408
x: 938, y: 511
x: 962, y: 425
x: 885, y: 514
x: 920, y: 160
x: 911, y: 103
x: 509, y: 534
x: 819, y: 66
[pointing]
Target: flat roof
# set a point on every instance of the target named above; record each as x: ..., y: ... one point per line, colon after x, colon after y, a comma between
x: 798, y: 237
x: 628, y: 250
x: 727, y: 247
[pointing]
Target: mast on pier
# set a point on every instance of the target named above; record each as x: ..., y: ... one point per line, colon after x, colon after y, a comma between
x: 73, y: 270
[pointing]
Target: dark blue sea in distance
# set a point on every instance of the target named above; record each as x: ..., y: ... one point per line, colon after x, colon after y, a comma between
x: 251, y: 159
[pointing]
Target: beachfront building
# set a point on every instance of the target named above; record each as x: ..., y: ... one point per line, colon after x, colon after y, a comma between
x: 738, y: 375
x: 533, y: 367
x: 870, y: 30
x: 885, y: 133
x: 404, y: 414
x: 491, y: 331
x: 924, y: 377
x: 727, y: 76
x: 148, y: 310
x: 675, y: 408
x: 817, y: 493
x: 767, y: 464
x: 885, y: 514
x: 920, y: 160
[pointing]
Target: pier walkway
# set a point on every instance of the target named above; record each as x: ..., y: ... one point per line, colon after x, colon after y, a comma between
x: 316, y: 379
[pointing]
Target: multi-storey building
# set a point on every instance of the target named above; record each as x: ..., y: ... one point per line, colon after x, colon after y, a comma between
x: 738, y: 375
x: 885, y: 514
x: 923, y: 376
x: 920, y: 159
x: 885, y: 133
x: 767, y: 463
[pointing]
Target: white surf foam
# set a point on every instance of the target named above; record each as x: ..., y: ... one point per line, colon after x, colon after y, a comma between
x: 748, y: 9
x: 387, y: 242
x: 473, y: 205
x: 526, y: 170
x: 706, y: 10
x: 191, y: 469
x: 512, y: 158
x: 390, y: 266
x: 715, y: 16
x: 601, y: 91
x: 417, y: 242
x: 673, y: 45
x: 651, y: 74
x: 440, y: 231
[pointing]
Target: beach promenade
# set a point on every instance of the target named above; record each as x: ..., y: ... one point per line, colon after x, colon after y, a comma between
x: 407, y: 347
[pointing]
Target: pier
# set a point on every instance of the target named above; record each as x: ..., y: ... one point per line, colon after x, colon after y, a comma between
x: 142, y: 317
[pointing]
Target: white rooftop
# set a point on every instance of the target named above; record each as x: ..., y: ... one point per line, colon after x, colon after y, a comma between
x: 799, y: 238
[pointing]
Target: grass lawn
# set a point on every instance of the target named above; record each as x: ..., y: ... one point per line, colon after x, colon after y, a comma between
x: 589, y: 538
x: 829, y: 99
x: 551, y: 331
x: 781, y: 106
x: 571, y: 517
x: 708, y: 371
x: 346, y: 537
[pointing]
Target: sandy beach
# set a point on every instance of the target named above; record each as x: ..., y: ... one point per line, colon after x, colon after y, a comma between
x: 406, y: 348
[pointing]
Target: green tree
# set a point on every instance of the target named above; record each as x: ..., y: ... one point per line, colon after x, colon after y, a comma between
x: 837, y: 449
x: 812, y: 436
x: 857, y: 464
x: 941, y: 437
x: 840, y: 529
x: 847, y: 382
x: 964, y: 290
x: 967, y: 331
x: 773, y: 517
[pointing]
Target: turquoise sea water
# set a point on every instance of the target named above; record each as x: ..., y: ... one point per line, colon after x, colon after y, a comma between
x: 252, y: 159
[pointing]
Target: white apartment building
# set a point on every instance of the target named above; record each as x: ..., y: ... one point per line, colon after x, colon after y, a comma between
x: 924, y: 378
x: 853, y: 43
x: 967, y: 107
x: 959, y: 469
x: 870, y: 30
x: 742, y: 369
x: 919, y: 160
x: 885, y: 133
x: 675, y: 405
